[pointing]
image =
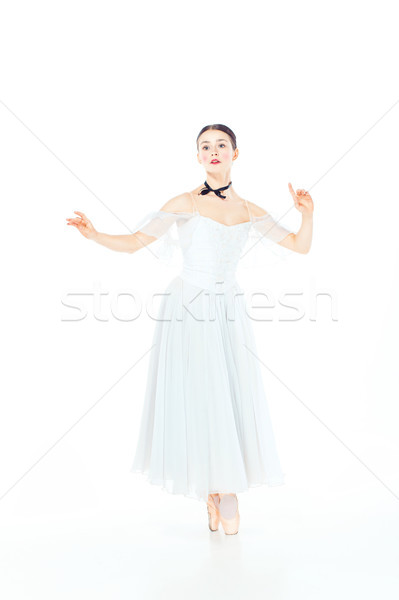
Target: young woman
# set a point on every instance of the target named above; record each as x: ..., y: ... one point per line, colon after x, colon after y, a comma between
x: 205, y: 430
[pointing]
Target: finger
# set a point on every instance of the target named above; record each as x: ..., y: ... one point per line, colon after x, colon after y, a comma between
x: 291, y: 189
x: 83, y: 216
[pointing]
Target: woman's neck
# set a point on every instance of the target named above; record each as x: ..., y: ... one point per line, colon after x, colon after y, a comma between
x: 218, y: 180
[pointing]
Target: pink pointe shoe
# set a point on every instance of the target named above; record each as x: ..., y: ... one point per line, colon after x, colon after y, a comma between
x: 228, y: 513
x: 213, y: 511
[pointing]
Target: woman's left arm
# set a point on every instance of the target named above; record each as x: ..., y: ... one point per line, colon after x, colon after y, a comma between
x: 302, y: 240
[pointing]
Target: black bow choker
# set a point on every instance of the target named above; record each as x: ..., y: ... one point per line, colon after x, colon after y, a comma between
x: 217, y: 192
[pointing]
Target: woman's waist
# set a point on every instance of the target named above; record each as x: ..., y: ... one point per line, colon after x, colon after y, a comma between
x: 213, y: 279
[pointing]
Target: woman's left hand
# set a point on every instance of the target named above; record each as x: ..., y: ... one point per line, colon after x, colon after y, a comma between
x: 302, y: 200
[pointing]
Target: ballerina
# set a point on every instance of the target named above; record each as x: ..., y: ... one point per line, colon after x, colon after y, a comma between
x: 206, y: 430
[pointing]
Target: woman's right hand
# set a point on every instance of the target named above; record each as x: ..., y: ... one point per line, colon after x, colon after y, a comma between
x: 83, y: 225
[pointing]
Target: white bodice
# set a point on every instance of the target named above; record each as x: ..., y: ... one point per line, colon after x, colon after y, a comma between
x: 210, y: 250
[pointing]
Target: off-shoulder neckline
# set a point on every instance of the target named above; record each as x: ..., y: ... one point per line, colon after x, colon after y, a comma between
x: 253, y: 220
x: 197, y: 214
x: 223, y: 224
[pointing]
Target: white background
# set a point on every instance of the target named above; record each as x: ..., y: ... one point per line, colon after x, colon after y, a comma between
x: 100, y: 107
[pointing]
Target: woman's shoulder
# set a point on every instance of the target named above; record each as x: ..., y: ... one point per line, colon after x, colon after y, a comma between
x: 256, y: 210
x: 180, y: 203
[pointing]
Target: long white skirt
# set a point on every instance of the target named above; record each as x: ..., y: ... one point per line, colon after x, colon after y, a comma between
x: 205, y: 425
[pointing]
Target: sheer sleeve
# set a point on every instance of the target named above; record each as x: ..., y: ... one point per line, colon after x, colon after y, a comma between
x: 262, y: 247
x: 164, y: 226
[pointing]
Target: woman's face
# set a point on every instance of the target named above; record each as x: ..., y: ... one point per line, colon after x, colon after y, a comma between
x: 215, y: 145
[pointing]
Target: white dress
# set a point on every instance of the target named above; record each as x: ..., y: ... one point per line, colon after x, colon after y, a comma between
x: 205, y: 424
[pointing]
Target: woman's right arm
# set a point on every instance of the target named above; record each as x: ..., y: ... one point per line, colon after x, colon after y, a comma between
x: 130, y: 242
x: 120, y: 243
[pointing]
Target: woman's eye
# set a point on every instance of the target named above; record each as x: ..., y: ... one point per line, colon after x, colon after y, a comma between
x: 206, y: 147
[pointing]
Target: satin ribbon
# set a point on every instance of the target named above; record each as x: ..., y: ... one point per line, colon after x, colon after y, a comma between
x: 217, y: 192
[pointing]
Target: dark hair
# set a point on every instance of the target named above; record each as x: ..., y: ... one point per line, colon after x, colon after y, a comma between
x: 224, y: 128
